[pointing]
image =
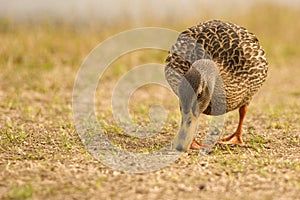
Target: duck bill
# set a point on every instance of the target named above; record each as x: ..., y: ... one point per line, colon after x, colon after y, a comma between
x: 186, y: 134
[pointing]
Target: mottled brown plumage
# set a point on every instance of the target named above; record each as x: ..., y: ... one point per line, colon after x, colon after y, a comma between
x: 236, y: 52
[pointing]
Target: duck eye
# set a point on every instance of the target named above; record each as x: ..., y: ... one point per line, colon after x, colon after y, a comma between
x: 198, y: 96
x: 189, y: 122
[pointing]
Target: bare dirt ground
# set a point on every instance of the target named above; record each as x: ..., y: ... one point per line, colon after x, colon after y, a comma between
x: 42, y: 156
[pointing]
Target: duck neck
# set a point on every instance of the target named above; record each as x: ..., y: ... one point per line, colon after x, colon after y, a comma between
x: 213, y: 88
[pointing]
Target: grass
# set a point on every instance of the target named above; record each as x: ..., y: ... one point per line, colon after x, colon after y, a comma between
x: 42, y: 156
x: 13, y: 134
x: 23, y: 191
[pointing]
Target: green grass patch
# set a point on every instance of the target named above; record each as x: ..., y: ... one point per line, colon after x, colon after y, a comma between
x: 21, y: 192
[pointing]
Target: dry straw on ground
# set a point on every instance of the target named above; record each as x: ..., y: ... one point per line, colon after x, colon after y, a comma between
x: 43, y: 158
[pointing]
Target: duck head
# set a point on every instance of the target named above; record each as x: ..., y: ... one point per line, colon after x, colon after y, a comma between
x: 194, y: 91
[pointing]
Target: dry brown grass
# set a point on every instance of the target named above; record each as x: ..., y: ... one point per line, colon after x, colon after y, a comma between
x: 43, y: 158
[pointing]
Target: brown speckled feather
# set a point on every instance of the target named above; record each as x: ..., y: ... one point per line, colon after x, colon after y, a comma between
x: 237, y: 53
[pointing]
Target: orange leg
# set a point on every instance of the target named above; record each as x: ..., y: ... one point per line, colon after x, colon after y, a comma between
x: 236, y: 138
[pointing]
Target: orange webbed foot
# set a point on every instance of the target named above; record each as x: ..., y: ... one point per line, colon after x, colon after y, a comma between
x: 197, y: 145
x: 232, y: 139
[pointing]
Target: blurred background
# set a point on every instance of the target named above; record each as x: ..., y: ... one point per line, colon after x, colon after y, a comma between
x: 45, y: 40
x: 133, y: 11
x: 271, y: 20
x: 43, y: 43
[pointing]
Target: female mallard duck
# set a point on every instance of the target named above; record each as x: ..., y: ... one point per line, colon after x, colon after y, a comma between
x: 201, y: 54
